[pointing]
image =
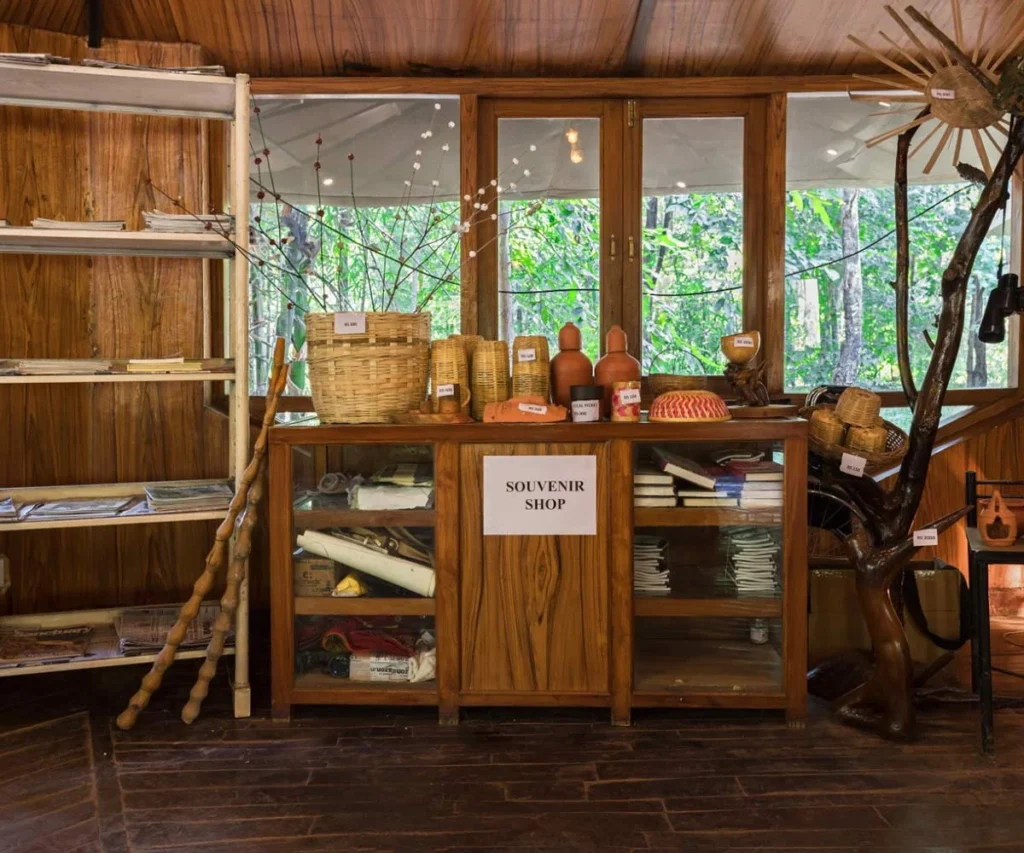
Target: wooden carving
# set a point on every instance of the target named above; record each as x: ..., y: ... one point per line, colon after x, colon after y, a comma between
x: 883, y: 543
x: 997, y: 522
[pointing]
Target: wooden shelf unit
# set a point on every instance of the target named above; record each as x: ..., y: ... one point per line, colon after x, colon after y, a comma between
x: 484, y: 585
x: 153, y: 93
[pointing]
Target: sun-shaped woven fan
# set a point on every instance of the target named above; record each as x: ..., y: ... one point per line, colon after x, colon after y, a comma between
x: 959, y: 86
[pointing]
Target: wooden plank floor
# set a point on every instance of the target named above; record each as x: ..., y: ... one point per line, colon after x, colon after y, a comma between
x: 536, y: 782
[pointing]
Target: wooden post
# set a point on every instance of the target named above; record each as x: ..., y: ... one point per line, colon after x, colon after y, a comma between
x: 621, y: 586
x: 282, y: 582
x: 794, y: 581
x: 446, y: 564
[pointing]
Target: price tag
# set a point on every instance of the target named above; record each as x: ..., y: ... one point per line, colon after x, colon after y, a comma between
x: 349, y: 323
x: 526, y: 355
x: 928, y: 536
x: 944, y: 94
x: 532, y: 409
x: 852, y: 464
x: 628, y: 396
x: 744, y: 341
x: 446, y: 390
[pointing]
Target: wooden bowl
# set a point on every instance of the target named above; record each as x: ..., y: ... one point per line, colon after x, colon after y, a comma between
x: 741, y: 348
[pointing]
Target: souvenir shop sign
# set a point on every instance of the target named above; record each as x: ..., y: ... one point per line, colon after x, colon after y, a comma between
x: 540, y: 496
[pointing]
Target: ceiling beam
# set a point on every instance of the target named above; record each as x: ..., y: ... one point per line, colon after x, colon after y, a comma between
x: 638, y: 37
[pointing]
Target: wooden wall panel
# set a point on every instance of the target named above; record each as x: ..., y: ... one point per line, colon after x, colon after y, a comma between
x: 72, y: 165
x: 534, y: 609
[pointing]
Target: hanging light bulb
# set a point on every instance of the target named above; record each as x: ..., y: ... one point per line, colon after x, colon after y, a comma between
x: 572, y: 136
x: 576, y: 155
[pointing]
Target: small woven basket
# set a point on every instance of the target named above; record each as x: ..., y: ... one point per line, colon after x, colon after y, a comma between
x: 469, y: 343
x: 448, y: 364
x: 538, y: 343
x: 488, y: 376
x: 826, y: 427
x: 858, y: 407
x: 531, y: 379
x: 368, y: 378
x: 871, y: 439
x: 896, y: 442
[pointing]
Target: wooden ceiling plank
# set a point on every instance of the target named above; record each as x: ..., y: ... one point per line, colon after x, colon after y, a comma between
x: 638, y: 37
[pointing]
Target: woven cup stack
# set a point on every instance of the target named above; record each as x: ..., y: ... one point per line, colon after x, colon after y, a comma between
x: 854, y: 423
x: 488, y: 376
x: 531, y: 367
x: 449, y: 365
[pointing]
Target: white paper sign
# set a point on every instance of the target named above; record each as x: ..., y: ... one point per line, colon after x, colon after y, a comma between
x: 629, y: 395
x: 745, y: 341
x: 852, y: 464
x: 533, y: 409
x: 347, y: 323
x: 446, y: 390
x: 540, y: 495
x: 527, y: 355
x: 944, y: 94
x: 928, y: 536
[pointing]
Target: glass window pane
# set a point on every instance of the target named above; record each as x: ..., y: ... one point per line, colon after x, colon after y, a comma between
x: 841, y: 248
x: 692, y: 253
x: 549, y: 228
x: 388, y: 186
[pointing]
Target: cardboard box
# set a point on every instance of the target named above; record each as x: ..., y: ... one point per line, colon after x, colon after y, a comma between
x: 314, y: 576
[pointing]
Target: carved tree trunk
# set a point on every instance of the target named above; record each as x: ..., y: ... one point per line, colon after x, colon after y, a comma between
x: 852, y: 293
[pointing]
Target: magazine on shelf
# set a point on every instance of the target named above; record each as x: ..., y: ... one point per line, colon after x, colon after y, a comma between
x: 170, y: 498
x: 22, y: 646
x: 64, y: 225
x: 187, y: 223
x: 79, y: 508
x: 54, y: 366
x: 210, y: 70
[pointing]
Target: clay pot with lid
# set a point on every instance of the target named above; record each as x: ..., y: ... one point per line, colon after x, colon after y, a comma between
x: 616, y: 365
x: 570, y: 366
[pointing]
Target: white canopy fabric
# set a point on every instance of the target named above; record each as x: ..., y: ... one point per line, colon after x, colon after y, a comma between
x: 827, y: 147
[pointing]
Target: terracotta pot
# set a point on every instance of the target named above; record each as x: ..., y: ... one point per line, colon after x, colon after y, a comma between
x: 616, y: 365
x: 997, y: 522
x: 570, y: 367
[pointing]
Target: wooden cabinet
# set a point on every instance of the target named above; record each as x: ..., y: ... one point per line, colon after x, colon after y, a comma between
x: 551, y: 619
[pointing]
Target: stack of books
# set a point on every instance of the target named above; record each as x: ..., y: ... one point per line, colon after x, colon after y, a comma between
x: 188, y: 223
x: 650, y: 565
x: 757, y: 484
x: 652, y: 487
x: 753, y: 555
x: 54, y: 366
x: 164, y: 365
x: 62, y: 225
x: 202, y: 496
x: 701, y: 487
x: 71, y: 508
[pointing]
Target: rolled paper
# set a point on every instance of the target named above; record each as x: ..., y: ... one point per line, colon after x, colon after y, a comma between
x: 401, y: 572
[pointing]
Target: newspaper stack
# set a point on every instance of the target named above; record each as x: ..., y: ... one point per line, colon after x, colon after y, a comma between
x: 407, y: 485
x: 201, y: 496
x: 753, y: 560
x: 33, y: 59
x: 214, y: 70
x: 79, y: 508
x: 188, y: 223
x: 650, y: 565
x: 143, y: 630
x: 64, y: 225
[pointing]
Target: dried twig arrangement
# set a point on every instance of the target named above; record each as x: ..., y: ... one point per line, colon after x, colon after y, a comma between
x: 248, y: 491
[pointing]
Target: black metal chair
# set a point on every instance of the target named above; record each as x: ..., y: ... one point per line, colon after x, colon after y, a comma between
x: 980, y: 556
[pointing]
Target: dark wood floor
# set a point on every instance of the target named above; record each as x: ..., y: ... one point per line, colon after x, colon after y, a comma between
x: 362, y: 780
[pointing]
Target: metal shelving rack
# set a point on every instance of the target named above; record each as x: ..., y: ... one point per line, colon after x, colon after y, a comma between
x: 152, y: 93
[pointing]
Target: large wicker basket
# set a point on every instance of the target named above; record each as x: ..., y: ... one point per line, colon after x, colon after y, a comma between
x: 368, y: 378
x: 896, y: 443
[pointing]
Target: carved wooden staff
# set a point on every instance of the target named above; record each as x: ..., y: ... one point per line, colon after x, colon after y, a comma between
x: 239, y: 559
x: 215, y: 559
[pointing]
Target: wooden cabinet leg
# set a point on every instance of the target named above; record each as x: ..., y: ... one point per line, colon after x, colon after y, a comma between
x: 448, y: 715
x: 280, y: 713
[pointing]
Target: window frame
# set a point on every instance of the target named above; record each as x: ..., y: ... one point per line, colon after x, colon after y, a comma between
x: 764, y: 196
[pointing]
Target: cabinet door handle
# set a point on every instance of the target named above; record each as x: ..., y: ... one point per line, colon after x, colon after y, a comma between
x: 612, y: 248
x: 631, y: 248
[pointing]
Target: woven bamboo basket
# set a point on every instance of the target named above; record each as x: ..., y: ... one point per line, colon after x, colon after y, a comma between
x: 448, y: 364
x: 531, y: 379
x: 826, y: 427
x: 488, y: 376
x: 870, y: 438
x: 469, y: 343
x: 371, y: 377
x: 896, y: 443
x: 538, y: 343
x: 858, y: 407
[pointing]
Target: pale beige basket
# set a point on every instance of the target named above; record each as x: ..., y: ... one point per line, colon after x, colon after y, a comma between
x: 538, y: 343
x: 489, y: 376
x: 449, y: 365
x: 531, y: 379
x: 368, y: 378
x: 859, y: 407
x: 469, y: 343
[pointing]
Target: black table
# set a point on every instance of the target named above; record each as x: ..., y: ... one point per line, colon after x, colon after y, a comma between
x: 980, y: 556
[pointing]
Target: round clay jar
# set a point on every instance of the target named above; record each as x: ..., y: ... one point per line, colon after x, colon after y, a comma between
x: 616, y: 365
x: 570, y: 367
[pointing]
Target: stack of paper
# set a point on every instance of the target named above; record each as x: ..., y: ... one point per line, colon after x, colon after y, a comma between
x: 79, y: 508
x: 203, y: 496
x: 652, y: 487
x: 164, y: 365
x: 188, y: 223
x: 403, y: 485
x: 142, y: 630
x: 215, y: 70
x: 753, y: 560
x: 63, y: 225
x: 8, y: 510
x: 55, y: 366
x: 650, y: 565
x: 36, y: 59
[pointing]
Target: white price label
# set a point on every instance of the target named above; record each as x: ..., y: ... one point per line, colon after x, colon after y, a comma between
x: 347, y: 323
x: 928, y: 536
x: 586, y: 411
x: 532, y: 409
x: 944, y: 94
x: 745, y: 341
x: 446, y: 390
x: 852, y: 464
x: 526, y: 355
x: 629, y: 395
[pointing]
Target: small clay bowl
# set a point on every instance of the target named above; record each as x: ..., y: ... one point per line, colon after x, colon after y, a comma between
x: 741, y: 348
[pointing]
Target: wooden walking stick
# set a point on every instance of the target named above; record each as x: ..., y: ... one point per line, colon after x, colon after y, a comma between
x: 215, y: 559
x: 239, y: 560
